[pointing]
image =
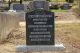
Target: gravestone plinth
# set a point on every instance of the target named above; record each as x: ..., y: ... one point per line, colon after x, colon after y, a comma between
x: 39, y: 48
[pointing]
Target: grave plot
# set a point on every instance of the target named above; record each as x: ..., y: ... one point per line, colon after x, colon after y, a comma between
x: 65, y: 16
x: 66, y: 33
x: 7, y: 24
x: 40, y: 30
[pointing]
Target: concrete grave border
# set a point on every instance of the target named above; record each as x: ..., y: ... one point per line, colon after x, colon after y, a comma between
x: 38, y: 48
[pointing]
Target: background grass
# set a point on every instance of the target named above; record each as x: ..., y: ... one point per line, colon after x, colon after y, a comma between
x: 52, y: 10
x: 58, y: 0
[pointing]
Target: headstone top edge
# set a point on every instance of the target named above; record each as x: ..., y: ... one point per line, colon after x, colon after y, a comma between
x: 41, y: 10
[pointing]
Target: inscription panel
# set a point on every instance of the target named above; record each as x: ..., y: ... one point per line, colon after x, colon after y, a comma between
x: 40, y: 27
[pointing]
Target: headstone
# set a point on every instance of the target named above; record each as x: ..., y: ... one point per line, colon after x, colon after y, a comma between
x: 40, y: 27
x: 40, y: 30
x: 65, y: 6
x: 39, y: 4
x: 18, y: 7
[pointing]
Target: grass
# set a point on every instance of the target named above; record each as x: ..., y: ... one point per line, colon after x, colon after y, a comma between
x: 58, y: 0
x: 58, y: 10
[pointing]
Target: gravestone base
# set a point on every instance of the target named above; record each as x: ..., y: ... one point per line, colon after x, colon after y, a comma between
x: 38, y: 48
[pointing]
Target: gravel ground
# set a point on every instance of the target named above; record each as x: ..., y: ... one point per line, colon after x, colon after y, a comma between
x: 68, y: 34
x: 65, y: 16
x: 64, y: 33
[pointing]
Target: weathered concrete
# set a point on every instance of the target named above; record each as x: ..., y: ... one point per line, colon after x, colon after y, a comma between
x: 8, y: 22
x: 38, y: 48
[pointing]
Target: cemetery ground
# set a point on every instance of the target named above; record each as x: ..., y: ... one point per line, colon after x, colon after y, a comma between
x: 67, y: 31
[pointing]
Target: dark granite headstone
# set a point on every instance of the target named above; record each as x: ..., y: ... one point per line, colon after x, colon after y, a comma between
x: 18, y: 7
x: 40, y: 27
